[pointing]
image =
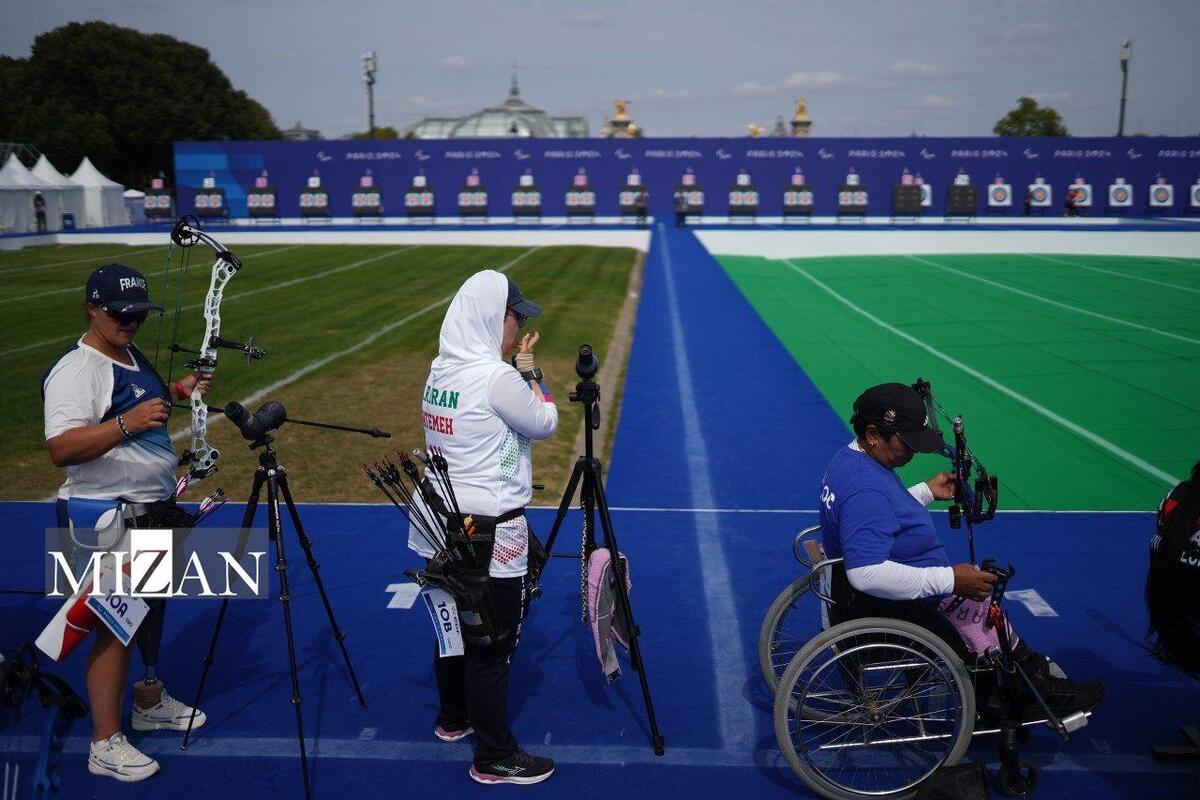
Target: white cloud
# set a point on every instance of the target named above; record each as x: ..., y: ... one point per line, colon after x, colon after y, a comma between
x: 938, y: 102
x: 456, y: 63
x: 919, y: 69
x: 1028, y: 32
x: 818, y: 79
x: 755, y: 89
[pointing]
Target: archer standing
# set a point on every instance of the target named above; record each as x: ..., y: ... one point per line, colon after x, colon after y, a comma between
x: 39, y: 211
x: 482, y: 413
x: 106, y: 412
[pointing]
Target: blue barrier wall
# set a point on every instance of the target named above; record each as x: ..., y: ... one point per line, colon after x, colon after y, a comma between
x: 662, y: 162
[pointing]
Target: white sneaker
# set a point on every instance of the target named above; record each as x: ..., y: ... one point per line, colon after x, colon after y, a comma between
x: 117, y: 758
x: 169, y: 714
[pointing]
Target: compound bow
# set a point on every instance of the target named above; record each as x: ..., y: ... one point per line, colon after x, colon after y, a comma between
x: 976, y: 491
x: 201, y: 457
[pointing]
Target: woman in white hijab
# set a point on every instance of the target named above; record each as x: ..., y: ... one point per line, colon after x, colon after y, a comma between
x: 482, y: 412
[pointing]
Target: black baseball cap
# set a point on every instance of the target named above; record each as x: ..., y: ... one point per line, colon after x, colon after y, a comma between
x: 518, y: 303
x: 119, y: 289
x: 900, y: 409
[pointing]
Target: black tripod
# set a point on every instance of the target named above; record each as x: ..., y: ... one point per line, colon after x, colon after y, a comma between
x: 271, y: 473
x: 592, y: 499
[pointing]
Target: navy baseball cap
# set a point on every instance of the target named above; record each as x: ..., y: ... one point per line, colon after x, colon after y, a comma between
x: 518, y: 303
x: 118, y: 289
x: 896, y: 407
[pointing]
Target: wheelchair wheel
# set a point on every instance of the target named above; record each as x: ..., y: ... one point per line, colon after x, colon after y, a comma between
x: 871, y: 708
x: 792, y: 620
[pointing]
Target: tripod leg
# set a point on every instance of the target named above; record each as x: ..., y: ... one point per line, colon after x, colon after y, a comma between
x: 247, y: 521
x: 565, y: 505
x: 275, y: 529
x: 622, y: 597
x: 314, y: 566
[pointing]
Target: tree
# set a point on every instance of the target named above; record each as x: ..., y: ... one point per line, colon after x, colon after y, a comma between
x: 121, y: 97
x: 1030, y: 119
x: 386, y: 132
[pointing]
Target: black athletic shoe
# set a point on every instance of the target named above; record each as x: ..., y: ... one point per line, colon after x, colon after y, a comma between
x: 520, y: 767
x: 1063, y: 695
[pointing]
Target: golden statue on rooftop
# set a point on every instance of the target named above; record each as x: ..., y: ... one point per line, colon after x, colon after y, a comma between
x: 801, y: 123
x: 622, y: 107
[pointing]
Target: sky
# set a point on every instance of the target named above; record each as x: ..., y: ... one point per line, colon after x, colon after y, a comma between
x: 698, y: 68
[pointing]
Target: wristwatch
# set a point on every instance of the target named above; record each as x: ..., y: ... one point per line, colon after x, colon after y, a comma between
x: 534, y: 374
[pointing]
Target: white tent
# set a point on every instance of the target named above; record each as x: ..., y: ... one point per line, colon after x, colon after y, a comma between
x: 135, y: 206
x: 104, y: 201
x: 17, y: 187
x: 70, y: 191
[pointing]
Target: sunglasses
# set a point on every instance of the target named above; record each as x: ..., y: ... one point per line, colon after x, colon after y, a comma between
x: 127, y: 319
x: 520, y: 318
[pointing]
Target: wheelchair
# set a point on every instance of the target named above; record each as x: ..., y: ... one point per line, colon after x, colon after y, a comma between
x: 872, y: 707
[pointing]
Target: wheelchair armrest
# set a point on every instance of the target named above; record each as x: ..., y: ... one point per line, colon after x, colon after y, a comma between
x: 812, y: 551
x: 813, y: 582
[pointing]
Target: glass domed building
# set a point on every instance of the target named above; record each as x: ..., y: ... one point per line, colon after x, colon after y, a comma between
x: 512, y: 119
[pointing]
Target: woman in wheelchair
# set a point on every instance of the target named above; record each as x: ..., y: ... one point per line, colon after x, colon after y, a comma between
x: 893, y: 564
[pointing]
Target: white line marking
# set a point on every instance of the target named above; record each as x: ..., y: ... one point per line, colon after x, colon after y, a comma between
x: 1175, y: 286
x: 1143, y: 465
x: 17, y: 270
x: 321, y: 362
x: 80, y: 287
x: 724, y: 625
x: 233, y: 297
x: 404, y: 595
x: 390, y: 750
x: 671, y: 510
x: 1055, y: 303
x: 1033, y: 601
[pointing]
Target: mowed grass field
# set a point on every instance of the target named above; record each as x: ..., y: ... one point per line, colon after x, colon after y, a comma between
x: 349, y: 333
x: 1078, y: 376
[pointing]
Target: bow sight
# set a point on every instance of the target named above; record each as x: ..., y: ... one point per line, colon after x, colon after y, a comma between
x: 975, y: 489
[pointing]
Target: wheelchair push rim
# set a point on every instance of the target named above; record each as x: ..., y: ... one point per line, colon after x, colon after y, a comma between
x: 872, y: 708
x: 793, y: 619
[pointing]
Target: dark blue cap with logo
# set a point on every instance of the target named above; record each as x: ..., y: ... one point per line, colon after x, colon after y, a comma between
x: 518, y: 303
x: 118, y: 289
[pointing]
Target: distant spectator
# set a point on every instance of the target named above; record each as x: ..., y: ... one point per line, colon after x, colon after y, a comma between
x: 39, y: 211
x: 642, y: 203
x: 681, y: 208
x: 1071, y: 209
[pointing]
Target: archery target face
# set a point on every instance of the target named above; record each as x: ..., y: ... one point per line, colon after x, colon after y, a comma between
x: 306, y: 200
x: 1161, y: 196
x: 253, y: 201
x: 1120, y: 195
x: 999, y: 195
x: 804, y: 198
x: 627, y: 199
x: 419, y: 199
x: 694, y: 199
x: 1083, y: 192
x: 1039, y: 195
x: 1196, y: 196
x: 320, y: 200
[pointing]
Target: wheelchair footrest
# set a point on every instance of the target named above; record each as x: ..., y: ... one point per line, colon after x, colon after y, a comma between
x: 1073, y: 722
